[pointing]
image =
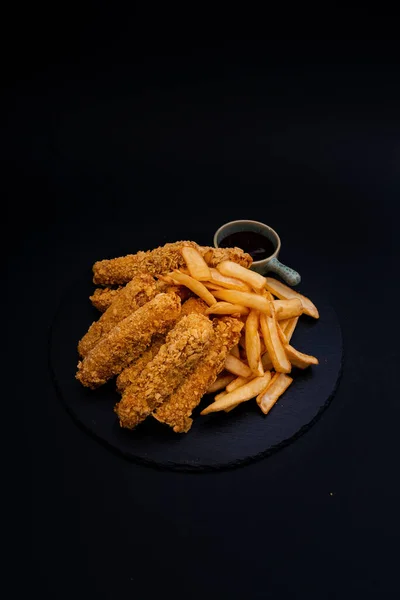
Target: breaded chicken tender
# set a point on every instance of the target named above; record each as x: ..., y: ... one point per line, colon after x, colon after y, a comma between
x: 156, y: 262
x: 128, y: 340
x: 137, y: 292
x: 185, y: 346
x: 177, y: 409
x: 102, y: 297
x: 131, y: 373
x: 160, y: 261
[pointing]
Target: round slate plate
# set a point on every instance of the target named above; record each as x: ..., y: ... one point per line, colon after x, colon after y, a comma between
x: 217, y: 440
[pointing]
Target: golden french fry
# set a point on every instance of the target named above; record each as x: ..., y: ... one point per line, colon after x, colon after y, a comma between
x: 266, y: 362
x: 298, y: 359
x: 286, y: 309
x: 232, y: 269
x: 281, y: 334
x: 235, y: 351
x: 238, y: 382
x: 267, y: 398
x: 274, y: 345
x: 253, y: 345
x: 236, y: 366
x: 248, y: 299
x: 290, y: 327
x: 268, y: 295
x: 167, y: 279
x: 284, y: 292
x: 234, y: 385
x: 241, y: 394
x: 196, y: 264
x: 195, y: 286
x: 231, y: 283
x: 226, y: 308
x: 220, y: 395
x: 220, y: 383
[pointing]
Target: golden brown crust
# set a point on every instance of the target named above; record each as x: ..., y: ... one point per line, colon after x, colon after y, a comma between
x: 160, y: 261
x: 177, y: 409
x: 137, y: 292
x: 128, y: 340
x: 156, y: 262
x: 184, y: 348
x: 102, y: 297
x: 132, y: 372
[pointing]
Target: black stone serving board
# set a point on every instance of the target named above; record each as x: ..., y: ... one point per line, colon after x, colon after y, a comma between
x: 215, y: 441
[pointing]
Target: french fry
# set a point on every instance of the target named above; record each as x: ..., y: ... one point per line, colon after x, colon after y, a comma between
x: 298, y: 359
x: 286, y: 309
x: 235, y: 351
x: 268, y: 295
x: 236, y: 366
x: 266, y: 362
x: 241, y: 394
x: 274, y: 345
x: 238, y: 382
x: 232, y: 269
x: 268, y: 397
x: 226, y: 308
x: 284, y: 292
x: 290, y: 327
x: 220, y: 383
x: 234, y: 385
x: 231, y: 283
x: 281, y: 334
x: 212, y: 286
x: 220, y: 395
x: 195, y: 286
x: 253, y: 345
x: 196, y: 264
x: 248, y: 299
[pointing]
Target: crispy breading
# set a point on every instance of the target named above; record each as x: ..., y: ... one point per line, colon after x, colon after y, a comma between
x: 128, y: 340
x: 177, y: 409
x: 160, y: 261
x: 137, y: 292
x: 102, y: 297
x: 184, y: 348
x: 156, y: 262
x: 194, y: 305
x: 131, y: 373
x: 213, y: 256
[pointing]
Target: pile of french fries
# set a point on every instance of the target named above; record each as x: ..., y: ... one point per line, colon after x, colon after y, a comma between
x: 259, y: 366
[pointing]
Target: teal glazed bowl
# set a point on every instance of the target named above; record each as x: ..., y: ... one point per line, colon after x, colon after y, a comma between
x: 269, y: 264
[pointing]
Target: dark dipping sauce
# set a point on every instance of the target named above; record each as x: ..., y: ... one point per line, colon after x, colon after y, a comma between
x: 255, y: 244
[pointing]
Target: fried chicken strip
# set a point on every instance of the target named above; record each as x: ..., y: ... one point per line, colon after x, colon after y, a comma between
x: 177, y: 409
x: 184, y: 348
x: 131, y: 373
x: 128, y: 340
x: 102, y: 297
x: 137, y: 292
x: 160, y: 261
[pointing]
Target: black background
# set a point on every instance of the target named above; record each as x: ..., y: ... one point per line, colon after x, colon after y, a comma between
x: 115, y: 141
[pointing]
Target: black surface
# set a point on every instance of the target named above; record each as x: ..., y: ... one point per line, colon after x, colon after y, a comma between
x: 214, y: 441
x: 111, y: 139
